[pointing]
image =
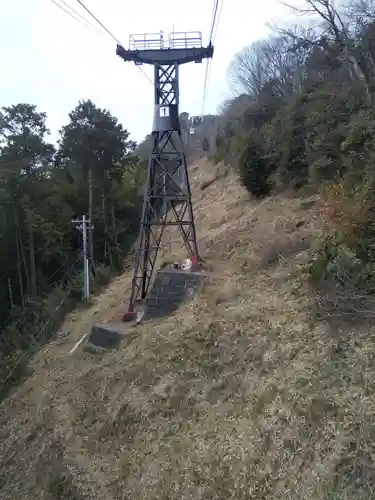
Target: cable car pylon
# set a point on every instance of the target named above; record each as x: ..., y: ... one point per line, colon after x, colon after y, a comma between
x: 167, y: 186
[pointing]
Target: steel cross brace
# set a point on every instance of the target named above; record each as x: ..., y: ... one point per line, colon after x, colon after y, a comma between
x: 167, y: 190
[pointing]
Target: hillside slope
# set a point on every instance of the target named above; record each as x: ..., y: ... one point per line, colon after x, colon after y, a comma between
x: 240, y: 394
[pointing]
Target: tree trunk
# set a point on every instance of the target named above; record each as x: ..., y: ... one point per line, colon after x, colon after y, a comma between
x: 359, y: 73
x: 10, y: 293
x: 107, y: 244
x: 19, y: 268
x: 31, y: 257
x: 24, y: 260
x: 19, y: 271
x: 115, y: 234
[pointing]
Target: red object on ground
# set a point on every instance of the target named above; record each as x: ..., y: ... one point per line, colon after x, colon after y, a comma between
x: 194, y: 260
x: 129, y: 316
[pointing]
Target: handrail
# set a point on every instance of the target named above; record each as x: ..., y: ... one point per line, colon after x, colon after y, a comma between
x: 156, y: 41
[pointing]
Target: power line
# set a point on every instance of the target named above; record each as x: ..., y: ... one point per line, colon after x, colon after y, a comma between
x: 218, y: 20
x: 82, y: 21
x: 110, y: 34
x: 97, y: 20
x: 148, y: 78
x: 24, y: 355
x: 205, y: 87
x: 79, y: 254
x: 76, y: 257
x: 79, y: 15
x: 216, y: 14
x: 45, y: 295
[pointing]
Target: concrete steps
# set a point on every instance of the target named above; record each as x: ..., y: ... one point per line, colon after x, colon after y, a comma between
x: 170, y: 289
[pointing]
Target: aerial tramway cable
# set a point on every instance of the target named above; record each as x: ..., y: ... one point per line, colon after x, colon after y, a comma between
x: 74, y: 14
x: 110, y: 34
x: 216, y: 13
x: 96, y: 19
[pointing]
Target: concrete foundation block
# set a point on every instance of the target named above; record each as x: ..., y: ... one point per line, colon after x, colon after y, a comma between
x: 104, y: 337
x: 170, y: 289
x: 94, y: 349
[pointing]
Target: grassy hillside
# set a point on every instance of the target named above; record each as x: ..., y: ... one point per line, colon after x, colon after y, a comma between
x: 244, y: 393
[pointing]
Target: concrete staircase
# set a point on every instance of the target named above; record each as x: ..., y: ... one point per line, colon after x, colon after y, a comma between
x: 170, y: 289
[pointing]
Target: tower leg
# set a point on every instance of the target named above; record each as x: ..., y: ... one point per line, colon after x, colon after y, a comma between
x: 185, y: 213
x: 167, y: 188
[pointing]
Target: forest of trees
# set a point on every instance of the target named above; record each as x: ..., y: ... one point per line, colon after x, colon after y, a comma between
x: 92, y: 171
x: 304, y: 118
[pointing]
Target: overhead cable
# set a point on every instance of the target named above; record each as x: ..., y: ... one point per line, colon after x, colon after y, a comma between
x: 88, y: 24
x: 80, y: 19
x: 219, y: 12
x: 109, y: 33
x: 97, y: 20
x: 216, y: 14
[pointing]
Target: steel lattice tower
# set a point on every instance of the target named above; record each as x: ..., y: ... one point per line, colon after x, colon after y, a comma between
x: 167, y: 187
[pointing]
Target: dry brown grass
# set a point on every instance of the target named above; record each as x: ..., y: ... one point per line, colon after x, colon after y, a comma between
x: 239, y: 395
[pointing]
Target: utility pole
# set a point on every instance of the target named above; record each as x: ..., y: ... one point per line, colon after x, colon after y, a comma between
x: 167, y: 183
x: 84, y: 225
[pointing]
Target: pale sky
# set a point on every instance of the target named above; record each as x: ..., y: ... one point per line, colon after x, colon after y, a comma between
x: 49, y: 59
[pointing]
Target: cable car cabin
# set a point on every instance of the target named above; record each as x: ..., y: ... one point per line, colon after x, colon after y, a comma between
x: 195, y: 121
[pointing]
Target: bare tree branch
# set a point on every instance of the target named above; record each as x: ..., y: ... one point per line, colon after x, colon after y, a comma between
x: 331, y: 23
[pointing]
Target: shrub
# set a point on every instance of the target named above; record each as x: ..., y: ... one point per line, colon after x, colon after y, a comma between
x: 254, y: 166
x: 347, y: 255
